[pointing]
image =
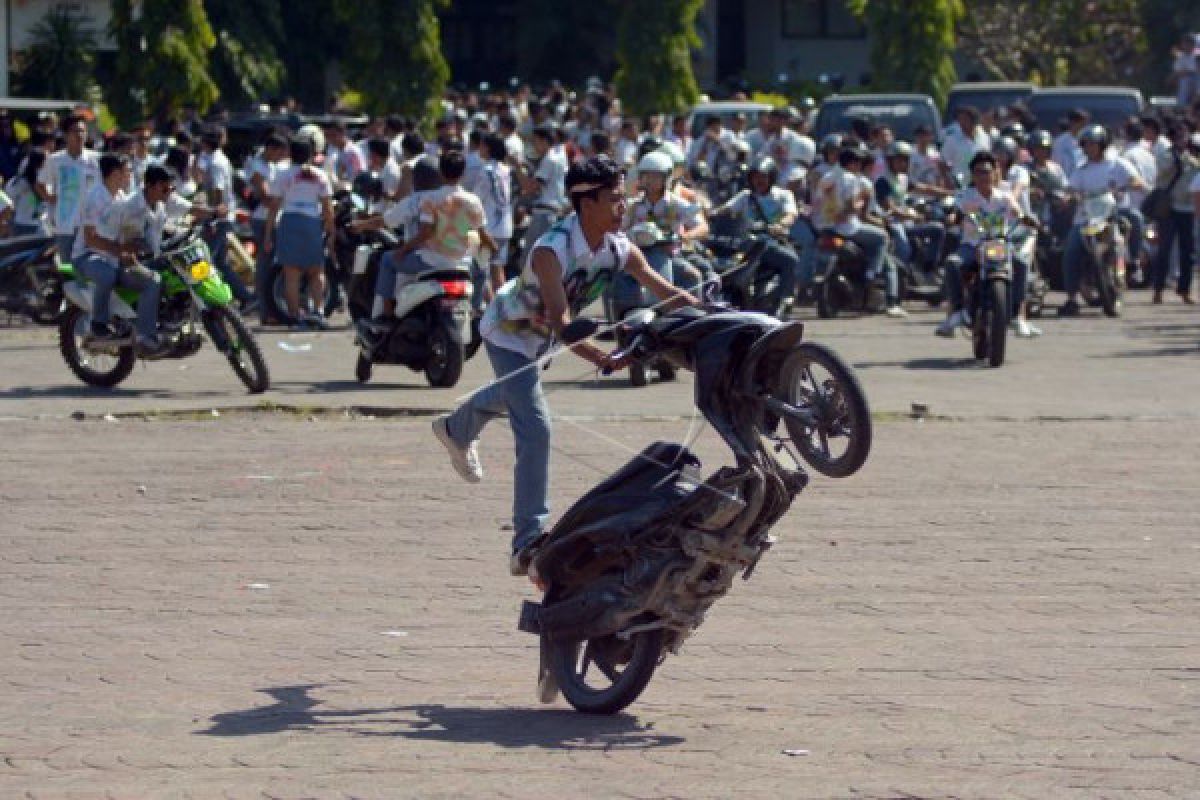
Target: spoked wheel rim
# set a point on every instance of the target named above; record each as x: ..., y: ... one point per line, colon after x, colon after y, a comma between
x: 832, y: 424
x: 239, y: 356
x: 97, y: 361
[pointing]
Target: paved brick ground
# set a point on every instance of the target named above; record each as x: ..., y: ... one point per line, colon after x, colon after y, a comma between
x: 270, y: 606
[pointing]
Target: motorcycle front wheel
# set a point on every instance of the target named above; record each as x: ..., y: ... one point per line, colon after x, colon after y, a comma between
x: 231, y: 336
x: 94, y: 367
x: 1106, y: 287
x: 816, y: 380
x: 997, y: 321
x: 604, y: 675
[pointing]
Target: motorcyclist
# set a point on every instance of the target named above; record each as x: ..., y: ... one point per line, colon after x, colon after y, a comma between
x: 791, y: 151
x: 985, y: 199
x: 1101, y: 175
x: 831, y: 147
x: 566, y: 267
x: 904, y: 224
x: 1016, y: 178
x: 659, y: 211
x: 764, y: 203
x: 1048, y: 185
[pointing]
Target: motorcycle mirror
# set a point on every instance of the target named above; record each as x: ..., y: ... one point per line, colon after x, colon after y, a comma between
x: 579, y: 329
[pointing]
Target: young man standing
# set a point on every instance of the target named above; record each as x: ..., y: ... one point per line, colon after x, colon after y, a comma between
x: 66, y: 180
x: 567, y: 268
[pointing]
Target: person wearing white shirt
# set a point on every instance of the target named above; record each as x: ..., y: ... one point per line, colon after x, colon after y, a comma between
x: 495, y: 192
x: 793, y: 152
x: 964, y: 141
x: 263, y: 170
x: 626, y: 148
x: 28, y: 204
x: 215, y: 176
x: 679, y: 133
x: 1067, y: 151
x: 1097, y: 176
x: 1144, y: 163
x: 716, y: 142
x: 66, y: 178
x: 546, y: 186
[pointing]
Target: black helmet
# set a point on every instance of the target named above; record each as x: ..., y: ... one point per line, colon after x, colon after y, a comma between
x: 1041, y: 138
x: 765, y: 165
x: 1094, y: 134
x: 1006, y: 146
x: 368, y: 186
x: 1014, y: 131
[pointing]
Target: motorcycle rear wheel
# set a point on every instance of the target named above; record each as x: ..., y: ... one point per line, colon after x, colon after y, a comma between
x: 840, y: 406
x: 997, y: 320
x: 94, y: 369
x: 446, y: 357
x: 570, y: 663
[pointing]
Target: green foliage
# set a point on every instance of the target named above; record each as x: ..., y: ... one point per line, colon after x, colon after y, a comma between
x: 1164, y: 21
x: 162, y: 58
x: 1056, y: 41
x: 245, y: 63
x: 654, y: 53
x: 396, y: 61
x: 59, y: 60
x: 912, y: 43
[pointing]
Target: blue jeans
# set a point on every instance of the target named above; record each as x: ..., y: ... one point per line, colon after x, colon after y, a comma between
x: 65, y: 242
x: 1137, y: 231
x: 783, y: 259
x: 1073, y: 256
x: 214, y: 237
x: 390, y: 268
x: 873, y: 241
x: 517, y: 390
x: 105, y: 277
x: 804, y: 240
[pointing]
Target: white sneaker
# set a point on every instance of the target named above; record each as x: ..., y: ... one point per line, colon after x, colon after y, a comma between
x: 464, y: 459
x: 896, y: 312
x: 1022, y: 328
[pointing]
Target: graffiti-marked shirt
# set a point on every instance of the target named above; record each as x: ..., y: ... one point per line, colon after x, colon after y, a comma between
x: 69, y: 180
x: 454, y: 212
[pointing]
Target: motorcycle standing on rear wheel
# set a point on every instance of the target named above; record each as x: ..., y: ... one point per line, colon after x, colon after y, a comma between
x: 194, y: 298
x: 631, y: 569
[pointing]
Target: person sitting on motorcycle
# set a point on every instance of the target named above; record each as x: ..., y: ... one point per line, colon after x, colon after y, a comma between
x: 91, y: 254
x: 1097, y: 175
x: 671, y: 215
x: 905, y: 224
x: 842, y: 201
x: 989, y: 200
x: 764, y: 203
x: 564, y: 270
x: 1048, y: 185
x: 831, y: 147
x: 1016, y: 179
x: 130, y: 226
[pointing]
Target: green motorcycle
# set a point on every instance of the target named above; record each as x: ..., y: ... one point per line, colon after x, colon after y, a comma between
x: 194, y: 300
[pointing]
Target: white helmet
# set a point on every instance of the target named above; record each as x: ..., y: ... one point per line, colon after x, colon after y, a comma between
x: 658, y: 161
x: 314, y: 135
x: 673, y: 150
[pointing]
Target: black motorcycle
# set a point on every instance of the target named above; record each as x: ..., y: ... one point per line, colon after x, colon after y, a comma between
x: 29, y: 281
x: 737, y: 251
x: 631, y: 569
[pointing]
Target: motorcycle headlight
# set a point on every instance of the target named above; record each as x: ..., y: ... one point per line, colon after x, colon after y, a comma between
x: 995, y: 251
x: 1093, y: 228
x: 200, y: 270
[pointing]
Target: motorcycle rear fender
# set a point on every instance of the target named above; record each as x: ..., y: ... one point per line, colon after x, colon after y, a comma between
x: 414, y: 294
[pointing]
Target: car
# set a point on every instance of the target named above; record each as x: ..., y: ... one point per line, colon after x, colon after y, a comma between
x: 902, y: 112
x: 985, y: 95
x: 726, y: 111
x: 1110, y: 106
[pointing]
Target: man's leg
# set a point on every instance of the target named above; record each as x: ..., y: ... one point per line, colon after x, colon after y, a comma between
x: 1073, y: 257
x: 1137, y: 233
x: 148, y: 284
x: 262, y: 269
x: 64, y: 243
x: 784, y: 261
x: 103, y: 276
x: 904, y: 249
x: 1187, y: 254
x: 873, y: 241
x: 1162, y: 264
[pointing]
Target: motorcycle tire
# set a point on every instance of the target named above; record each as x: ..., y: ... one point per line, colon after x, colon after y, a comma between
x: 233, y: 338
x: 362, y: 368
x: 997, y: 321
x: 446, y: 357
x: 841, y: 407
x: 666, y: 371
x: 826, y: 305
x: 570, y: 661
x: 1106, y: 288
x: 637, y: 375
x: 72, y: 327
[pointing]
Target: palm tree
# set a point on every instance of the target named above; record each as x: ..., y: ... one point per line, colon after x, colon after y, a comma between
x: 59, y: 60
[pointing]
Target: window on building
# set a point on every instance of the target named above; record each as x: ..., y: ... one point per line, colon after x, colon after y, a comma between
x: 820, y: 19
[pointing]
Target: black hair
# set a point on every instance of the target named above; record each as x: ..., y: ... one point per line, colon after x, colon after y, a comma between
x: 412, y: 144
x: 545, y: 133
x: 211, y: 138
x: 600, y: 172
x: 1134, y: 130
x: 508, y: 122
x: 70, y: 121
x: 495, y: 146
x: 156, y: 174
x: 379, y: 147
x: 1078, y: 115
x: 475, y: 137
x: 275, y: 140
x: 119, y: 142
x: 394, y: 124
x: 983, y: 156
x: 452, y: 165
x: 301, y: 150
x: 601, y: 142
x: 110, y: 163
x: 1151, y: 123
x: 184, y: 139
x: 177, y: 160
x: 970, y: 111
x: 425, y: 175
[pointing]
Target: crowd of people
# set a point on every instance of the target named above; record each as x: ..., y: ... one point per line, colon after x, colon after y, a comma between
x: 493, y: 170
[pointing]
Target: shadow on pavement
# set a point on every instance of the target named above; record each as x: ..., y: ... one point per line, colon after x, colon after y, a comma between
x: 83, y: 390
x: 556, y: 729
x: 924, y: 363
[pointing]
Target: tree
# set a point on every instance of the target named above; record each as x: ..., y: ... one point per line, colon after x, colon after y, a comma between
x: 246, y: 65
x: 396, y: 59
x: 912, y: 43
x: 654, y: 54
x: 1055, y: 41
x: 59, y: 60
x: 162, y: 58
x: 1164, y: 21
